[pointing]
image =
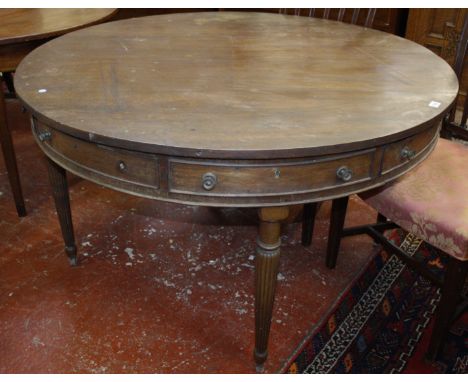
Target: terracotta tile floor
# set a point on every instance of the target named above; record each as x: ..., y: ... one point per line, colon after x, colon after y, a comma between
x: 160, y: 287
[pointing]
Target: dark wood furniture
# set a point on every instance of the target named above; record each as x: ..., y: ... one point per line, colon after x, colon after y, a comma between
x: 211, y: 113
x: 127, y: 13
x: 454, y: 126
x: 21, y: 31
x: 339, y: 14
x: 391, y: 20
x: 439, y: 29
x: 437, y: 212
x: 10, y: 158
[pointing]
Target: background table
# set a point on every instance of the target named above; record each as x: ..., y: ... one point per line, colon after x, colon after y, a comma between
x: 234, y: 109
x: 21, y: 31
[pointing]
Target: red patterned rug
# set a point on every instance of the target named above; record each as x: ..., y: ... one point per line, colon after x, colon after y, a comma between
x: 382, y: 324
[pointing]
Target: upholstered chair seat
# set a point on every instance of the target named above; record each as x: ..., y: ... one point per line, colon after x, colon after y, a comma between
x: 432, y: 200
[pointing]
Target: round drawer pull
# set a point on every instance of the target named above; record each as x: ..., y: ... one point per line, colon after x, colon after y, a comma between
x: 407, y: 153
x: 121, y: 165
x: 344, y: 173
x: 209, y: 181
x: 44, y: 136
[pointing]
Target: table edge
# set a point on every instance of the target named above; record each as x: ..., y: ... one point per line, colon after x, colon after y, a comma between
x: 200, y: 153
x: 46, y: 35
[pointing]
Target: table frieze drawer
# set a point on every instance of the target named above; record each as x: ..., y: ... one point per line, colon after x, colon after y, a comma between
x: 99, y: 161
x: 400, y: 153
x: 253, y: 179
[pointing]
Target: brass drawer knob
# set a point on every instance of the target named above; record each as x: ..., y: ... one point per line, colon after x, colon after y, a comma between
x: 344, y: 173
x: 407, y: 153
x: 121, y: 165
x: 44, y: 136
x: 209, y: 181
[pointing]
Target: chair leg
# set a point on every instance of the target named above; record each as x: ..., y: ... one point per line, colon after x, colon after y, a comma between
x: 338, y: 214
x: 308, y: 221
x: 381, y: 218
x: 452, y: 286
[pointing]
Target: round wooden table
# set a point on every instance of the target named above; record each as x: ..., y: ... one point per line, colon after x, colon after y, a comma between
x: 21, y: 31
x: 234, y: 109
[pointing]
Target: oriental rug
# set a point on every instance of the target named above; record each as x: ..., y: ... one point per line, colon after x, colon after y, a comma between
x: 382, y: 323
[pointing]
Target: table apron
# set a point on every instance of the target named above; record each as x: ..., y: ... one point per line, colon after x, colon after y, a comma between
x: 236, y: 183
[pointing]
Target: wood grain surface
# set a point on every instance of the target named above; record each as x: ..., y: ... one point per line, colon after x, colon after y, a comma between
x: 236, y: 85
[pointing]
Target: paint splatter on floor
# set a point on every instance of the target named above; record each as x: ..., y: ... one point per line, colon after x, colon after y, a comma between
x: 159, y: 287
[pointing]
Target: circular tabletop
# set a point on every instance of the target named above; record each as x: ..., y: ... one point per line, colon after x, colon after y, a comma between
x: 235, y: 85
x: 20, y: 24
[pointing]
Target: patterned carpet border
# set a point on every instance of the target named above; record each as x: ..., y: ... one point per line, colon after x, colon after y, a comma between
x: 378, y: 322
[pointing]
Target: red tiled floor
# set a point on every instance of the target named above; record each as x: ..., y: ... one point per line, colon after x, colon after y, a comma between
x: 160, y: 287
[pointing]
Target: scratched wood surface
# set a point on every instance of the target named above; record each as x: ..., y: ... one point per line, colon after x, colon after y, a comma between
x: 235, y: 85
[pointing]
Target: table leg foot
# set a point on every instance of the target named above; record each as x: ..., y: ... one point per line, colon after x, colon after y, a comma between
x: 259, y: 368
x: 58, y: 181
x: 72, y: 256
x: 266, y: 271
x: 21, y: 209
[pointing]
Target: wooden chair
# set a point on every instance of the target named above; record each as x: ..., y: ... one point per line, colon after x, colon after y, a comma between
x: 450, y: 128
x: 430, y: 202
x: 350, y: 16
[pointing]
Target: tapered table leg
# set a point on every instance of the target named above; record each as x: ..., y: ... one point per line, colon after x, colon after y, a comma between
x: 10, y: 159
x: 58, y: 181
x: 266, y: 271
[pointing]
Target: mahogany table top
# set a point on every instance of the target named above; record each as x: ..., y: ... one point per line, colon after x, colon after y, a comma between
x: 235, y: 85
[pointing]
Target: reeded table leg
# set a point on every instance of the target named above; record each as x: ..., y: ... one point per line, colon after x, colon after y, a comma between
x: 10, y: 159
x: 58, y: 181
x: 266, y: 271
